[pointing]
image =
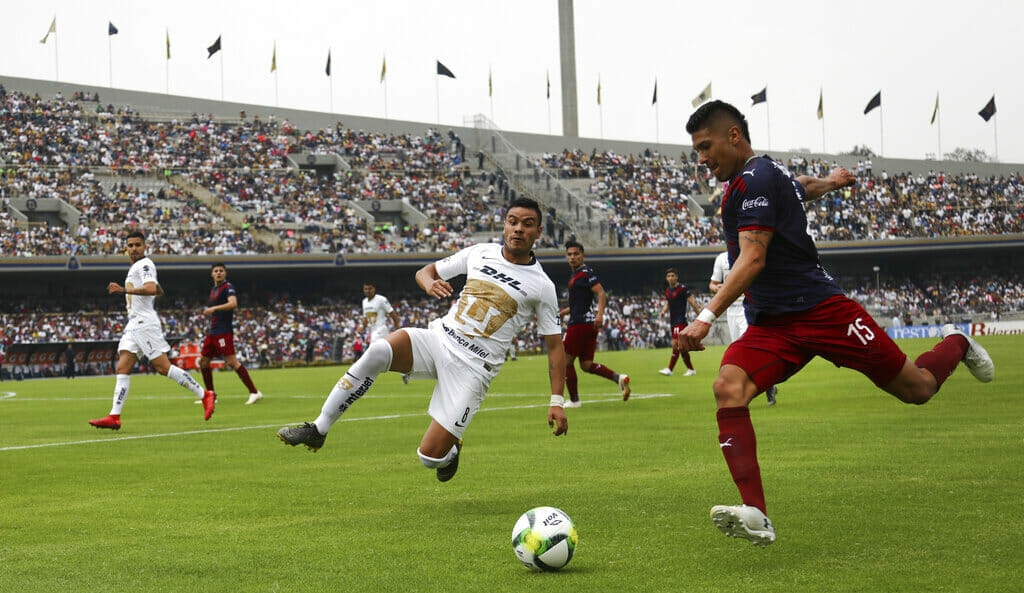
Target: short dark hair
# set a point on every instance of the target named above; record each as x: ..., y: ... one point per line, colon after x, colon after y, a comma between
x: 671, y: 271
x: 570, y: 244
x: 134, y: 234
x: 529, y: 204
x: 709, y: 113
x: 369, y: 283
x: 218, y: 265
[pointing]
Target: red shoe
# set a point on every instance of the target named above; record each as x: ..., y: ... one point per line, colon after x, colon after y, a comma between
x: 209, y: 399
x: 111, y: 421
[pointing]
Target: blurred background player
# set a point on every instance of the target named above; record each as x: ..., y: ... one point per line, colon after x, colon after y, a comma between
x: 796, y: 310
x: 143, y: 334
x: 676, y: 298
x: 464, y: 350
x: 735, y: 314
x: 376, y: 310
x: 581, y: 334
x: 220, y: 338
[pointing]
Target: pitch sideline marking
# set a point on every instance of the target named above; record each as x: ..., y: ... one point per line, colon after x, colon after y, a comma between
x: 237, y: 428
x: 241, y: 397
x: 7, y: 394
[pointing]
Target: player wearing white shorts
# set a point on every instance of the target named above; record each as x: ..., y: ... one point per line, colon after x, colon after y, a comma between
x: 143, y: 334
x: 735, y: 314
x: 376, y: 311
x: 464, y: 350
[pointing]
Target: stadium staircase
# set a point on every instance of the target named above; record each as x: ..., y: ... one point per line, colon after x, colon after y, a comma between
x: 222, y: 208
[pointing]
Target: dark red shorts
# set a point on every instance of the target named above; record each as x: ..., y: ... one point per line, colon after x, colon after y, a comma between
x: 678, y: 329
x: 218, y: 346
x: 838, y: 330
x: 580, y: 341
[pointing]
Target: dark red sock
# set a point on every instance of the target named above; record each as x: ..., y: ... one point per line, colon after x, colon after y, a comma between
x: 943, y: 358
x: 570, y: 382
x: 672, y: 361
x: 602, y: 371
x: 207, y: 378
x: 244, y: 376
x: 739, y: 445
x: 686, y: 360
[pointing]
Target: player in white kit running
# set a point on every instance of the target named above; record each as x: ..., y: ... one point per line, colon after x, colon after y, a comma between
x: 464, y: 350
x: 735, y: 314
x: 376, y: 311
x: 143, y: 334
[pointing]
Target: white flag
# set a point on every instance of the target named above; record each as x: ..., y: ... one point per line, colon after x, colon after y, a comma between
x: 703, y: 96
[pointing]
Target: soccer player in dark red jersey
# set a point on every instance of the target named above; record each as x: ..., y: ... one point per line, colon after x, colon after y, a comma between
x: 795, y: 309
x: 676, y: 298
x: 581, y: 333
x: 220, y: 338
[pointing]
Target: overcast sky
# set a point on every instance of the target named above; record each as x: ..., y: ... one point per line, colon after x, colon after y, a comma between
x: 965, y: 52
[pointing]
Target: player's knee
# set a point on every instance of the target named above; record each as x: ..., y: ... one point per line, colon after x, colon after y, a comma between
x: 916, y: 394
x: 586, y: 365
x: 728, y: 391
x: 379, y: 356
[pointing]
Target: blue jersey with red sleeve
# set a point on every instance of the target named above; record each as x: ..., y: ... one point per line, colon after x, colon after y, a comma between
x: 677, y: 299
x: 765, y: 195
x: 581, y: 295
x: 220, y: 321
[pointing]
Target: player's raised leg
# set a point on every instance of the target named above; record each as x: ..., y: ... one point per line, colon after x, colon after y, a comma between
x: 393, y: 353
x: 180, y: 376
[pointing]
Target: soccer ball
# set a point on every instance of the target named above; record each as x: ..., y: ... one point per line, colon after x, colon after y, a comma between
x: 544, y: 539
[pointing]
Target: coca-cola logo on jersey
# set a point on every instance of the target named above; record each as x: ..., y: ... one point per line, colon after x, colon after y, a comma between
x: 758, y: 202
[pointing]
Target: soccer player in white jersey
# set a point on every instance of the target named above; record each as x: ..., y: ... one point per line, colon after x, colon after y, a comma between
x: 464, y: 350
x: 143, y: 334
x: 376, y: 311
x: 735, y: 315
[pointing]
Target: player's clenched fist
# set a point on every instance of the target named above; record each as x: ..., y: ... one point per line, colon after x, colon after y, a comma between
x: 556, y: 416
x: 691, y: 337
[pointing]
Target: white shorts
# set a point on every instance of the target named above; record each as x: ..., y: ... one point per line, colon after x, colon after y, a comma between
x: 378, y: 334
x: 147, y: 341
x: 460, y: 389
x: 737, y: 323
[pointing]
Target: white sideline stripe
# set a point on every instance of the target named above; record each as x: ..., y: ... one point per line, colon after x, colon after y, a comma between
x: 11, y: 396
x: 237, y: 428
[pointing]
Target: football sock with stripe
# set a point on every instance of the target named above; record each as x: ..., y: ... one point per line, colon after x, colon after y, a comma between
x: 739, y: 446
x: 672, y: 361
x: 121, y: 384
x: 603, y: 371
x: 184, y: 379
x: 354, y: 383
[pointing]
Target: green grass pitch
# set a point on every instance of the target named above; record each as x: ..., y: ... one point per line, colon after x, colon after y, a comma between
x: 867, y: 493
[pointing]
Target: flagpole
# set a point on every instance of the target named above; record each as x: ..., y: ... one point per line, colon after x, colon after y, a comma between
x: 110, y: 60
x: 995, y: 132
x: 385, y: 96
x: 437, y: 98
x: 823, y: 149
x: 221, y: 74
x: 600, y: 112
x: 277, y: 103
x: 938, y: 121
x: 657, y: 125
x: 881, y: 131
x: 768, y: 118
x: 167, y: 63
x: 56, y: 59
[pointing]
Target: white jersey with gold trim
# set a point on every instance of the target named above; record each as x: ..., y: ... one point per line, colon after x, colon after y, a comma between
x: 375, y: 312
x: 141, y: 311
x: 499, y: 299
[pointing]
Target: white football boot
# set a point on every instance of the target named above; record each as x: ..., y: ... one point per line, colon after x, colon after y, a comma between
x: 253, y: 398
x: 976, y: 359
x: 689, y: 373
x: 573, y: 404
x: 666, y: 371
x: 745, y: 522
x: 624, y: 386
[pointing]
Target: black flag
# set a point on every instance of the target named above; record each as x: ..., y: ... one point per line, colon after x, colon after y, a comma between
x: 875, y: 101
x: 989, y: 110
x: 111, y: 29
x: 443, y: 70
x: 654, y: 99
x: 761, y: 97
x: 328, y: 68
x: 213, y: 48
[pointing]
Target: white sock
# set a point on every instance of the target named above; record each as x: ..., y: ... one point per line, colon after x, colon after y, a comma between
x: 354, y: 383
x: 434, y: 463
x: 184, y: 379
x: 121, y: 383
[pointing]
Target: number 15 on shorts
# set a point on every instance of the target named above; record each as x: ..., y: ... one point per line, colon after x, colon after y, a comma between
x: 863, y: 332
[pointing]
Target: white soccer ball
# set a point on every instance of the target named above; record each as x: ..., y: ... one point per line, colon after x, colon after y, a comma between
x: 544, y: 539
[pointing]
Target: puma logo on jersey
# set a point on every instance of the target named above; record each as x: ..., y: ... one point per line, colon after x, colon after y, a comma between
x: 501, y: 277
x: 727, y: 443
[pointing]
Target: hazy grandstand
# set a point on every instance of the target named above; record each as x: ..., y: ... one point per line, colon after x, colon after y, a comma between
x: 327, y: 201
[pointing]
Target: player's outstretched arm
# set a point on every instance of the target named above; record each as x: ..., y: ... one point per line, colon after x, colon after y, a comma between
x: 815, y: 187
x: 556, y: 372
x: 430, y: 281
x: 752, y: 259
